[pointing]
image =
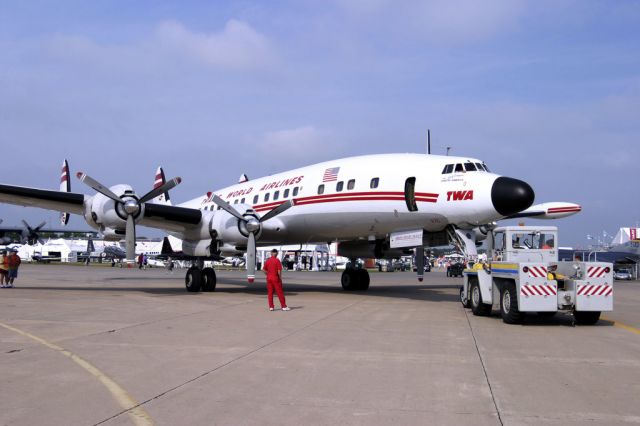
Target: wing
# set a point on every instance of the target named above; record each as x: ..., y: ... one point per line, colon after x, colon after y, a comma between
x: 168, y: 218
x: 554, y: 210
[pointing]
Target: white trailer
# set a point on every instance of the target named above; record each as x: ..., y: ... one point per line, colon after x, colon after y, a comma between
x: 522, y: 274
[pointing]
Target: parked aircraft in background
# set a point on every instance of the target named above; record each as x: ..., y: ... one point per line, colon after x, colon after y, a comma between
x: 378, y: 206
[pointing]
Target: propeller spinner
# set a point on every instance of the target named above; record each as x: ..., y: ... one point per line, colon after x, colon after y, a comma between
x: 129, y: 204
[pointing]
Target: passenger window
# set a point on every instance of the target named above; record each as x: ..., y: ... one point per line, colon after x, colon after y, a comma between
x: 470, y: 167
x: 459, y: 168
x: 235, y: 201
x: 351, y: 184
x: 374, y: 183
x: 242, y: 201
x: 339, y: 186
x: 266, y: 197
x: 255, y: 199
x: 276, y: 195
x: 321, y: 189
x: 286, y: 193
x: 295, y: 191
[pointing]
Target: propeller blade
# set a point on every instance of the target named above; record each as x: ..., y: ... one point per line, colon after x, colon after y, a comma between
x: 160, y: 190
x: 92, y: 183
x: 37, y: 228
x: 227, y: 207
x: 277, y: 210
x: 420, y: 262
x: 130, y: 238
x: 26, y: 225
x: 251, y: 258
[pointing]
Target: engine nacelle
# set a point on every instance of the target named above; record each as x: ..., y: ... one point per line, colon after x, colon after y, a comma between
x: 378, y: 249
x: 102, y: 213
x: 110, y: 234
x: 203, y: 248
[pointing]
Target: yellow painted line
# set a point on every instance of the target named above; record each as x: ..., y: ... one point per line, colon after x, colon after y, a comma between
x: 137, y: 414
x: 623, y: 325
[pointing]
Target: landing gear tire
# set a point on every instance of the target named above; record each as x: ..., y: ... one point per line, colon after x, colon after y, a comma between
x: 193, y: 280
x: 466, y: 303
x: 208, y: 279
x: 477, y: 307
x: 509, y: 305
x: 349, y: 280
x: 362, y: 279
x: 586, y: 317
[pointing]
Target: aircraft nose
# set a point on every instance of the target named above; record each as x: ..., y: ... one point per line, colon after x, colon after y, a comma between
x: 510, y: 196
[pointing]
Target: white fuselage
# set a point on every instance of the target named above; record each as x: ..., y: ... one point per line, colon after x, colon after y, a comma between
x: 365, y: 197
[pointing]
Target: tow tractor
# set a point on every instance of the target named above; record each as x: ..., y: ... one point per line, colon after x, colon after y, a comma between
x: 521, y: 273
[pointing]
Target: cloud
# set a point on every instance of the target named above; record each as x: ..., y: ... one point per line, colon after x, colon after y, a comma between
x: 237, y: 47
x: 439, y: 21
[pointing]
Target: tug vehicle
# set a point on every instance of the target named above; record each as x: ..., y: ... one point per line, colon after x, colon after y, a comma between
x: 521, y: 273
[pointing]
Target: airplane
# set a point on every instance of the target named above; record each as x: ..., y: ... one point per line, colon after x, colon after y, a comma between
x: 373, y: 206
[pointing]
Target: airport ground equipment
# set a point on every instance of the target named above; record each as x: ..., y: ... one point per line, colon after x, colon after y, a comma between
x: 522, y: 274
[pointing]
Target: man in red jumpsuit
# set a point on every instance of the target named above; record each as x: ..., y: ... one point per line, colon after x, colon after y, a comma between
x: 273, y: 269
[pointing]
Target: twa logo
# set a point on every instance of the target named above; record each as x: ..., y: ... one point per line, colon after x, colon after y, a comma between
x: 459, y: 195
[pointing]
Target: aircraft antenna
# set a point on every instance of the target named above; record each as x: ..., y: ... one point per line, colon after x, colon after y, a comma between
x: 429, y: 141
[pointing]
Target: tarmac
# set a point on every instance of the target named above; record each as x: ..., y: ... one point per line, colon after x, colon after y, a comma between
x: 109, y: 346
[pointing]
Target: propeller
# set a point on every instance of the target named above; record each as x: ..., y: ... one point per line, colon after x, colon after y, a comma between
x: 131, y: 206
x: 32, y: 233
x: 253, y: 226
x: 420, y: 262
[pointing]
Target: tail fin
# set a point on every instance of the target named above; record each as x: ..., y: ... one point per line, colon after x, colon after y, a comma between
x: 160, y: 180
x: 65, y: 186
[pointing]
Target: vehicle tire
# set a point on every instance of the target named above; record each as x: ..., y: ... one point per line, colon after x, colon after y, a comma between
x: 477, y: 307
x: 362, y: 278
x: 349, y: 280
x: 586, y: 317
x: 509, y: 304
x: 463, y: 298
x: 193, y: 280
x: 208, y: 279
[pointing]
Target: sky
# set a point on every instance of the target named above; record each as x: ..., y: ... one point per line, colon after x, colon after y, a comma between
x: 544, y: 91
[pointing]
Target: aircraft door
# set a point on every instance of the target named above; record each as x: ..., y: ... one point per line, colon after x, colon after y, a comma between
x: 410, y: 194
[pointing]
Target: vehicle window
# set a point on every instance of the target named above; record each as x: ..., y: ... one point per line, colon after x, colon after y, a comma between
x: 242, y: 201
x: 486, y: 168
x: 470, y: 167
x: 498, y: 242
x: 374, y: 183
x: 480, y: 167
x: 339, y: 186
x: 459, y: 168
x: 295, y: 191
x: 285, y: 194
x: 235, y: 201
x: 447, y: 169
x: 351, y: 184
x: 321, y: 189
x: 255, y: 199
x: 276, y: 195
x: 266, y: 197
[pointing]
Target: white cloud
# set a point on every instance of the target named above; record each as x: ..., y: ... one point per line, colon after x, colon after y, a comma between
x: 238, y: 45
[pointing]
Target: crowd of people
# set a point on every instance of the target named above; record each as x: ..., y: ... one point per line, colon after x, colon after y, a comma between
x: 9, y: 264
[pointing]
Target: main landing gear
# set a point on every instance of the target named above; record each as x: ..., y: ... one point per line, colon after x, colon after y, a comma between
x: 200, y: 278
x: 355, y: 279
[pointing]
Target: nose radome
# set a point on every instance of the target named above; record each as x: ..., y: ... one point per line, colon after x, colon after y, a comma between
x: 511, y: 196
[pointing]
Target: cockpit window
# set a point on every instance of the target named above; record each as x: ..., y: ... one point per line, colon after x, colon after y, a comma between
x: 470, y: 167
x: 486, y: 168
x: 459, y: 168
x: 447, y: 169
x: 480, y: 167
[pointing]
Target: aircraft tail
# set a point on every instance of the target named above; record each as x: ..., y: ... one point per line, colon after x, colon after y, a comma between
x: 65, y: 186
x: 160, y: 180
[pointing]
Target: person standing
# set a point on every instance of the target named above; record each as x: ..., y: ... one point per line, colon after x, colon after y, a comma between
x: 3, y: 269
x: 12, y: 262
x: 273, y: 270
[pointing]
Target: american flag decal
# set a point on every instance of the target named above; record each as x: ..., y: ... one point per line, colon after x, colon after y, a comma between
x: 331, y: 175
